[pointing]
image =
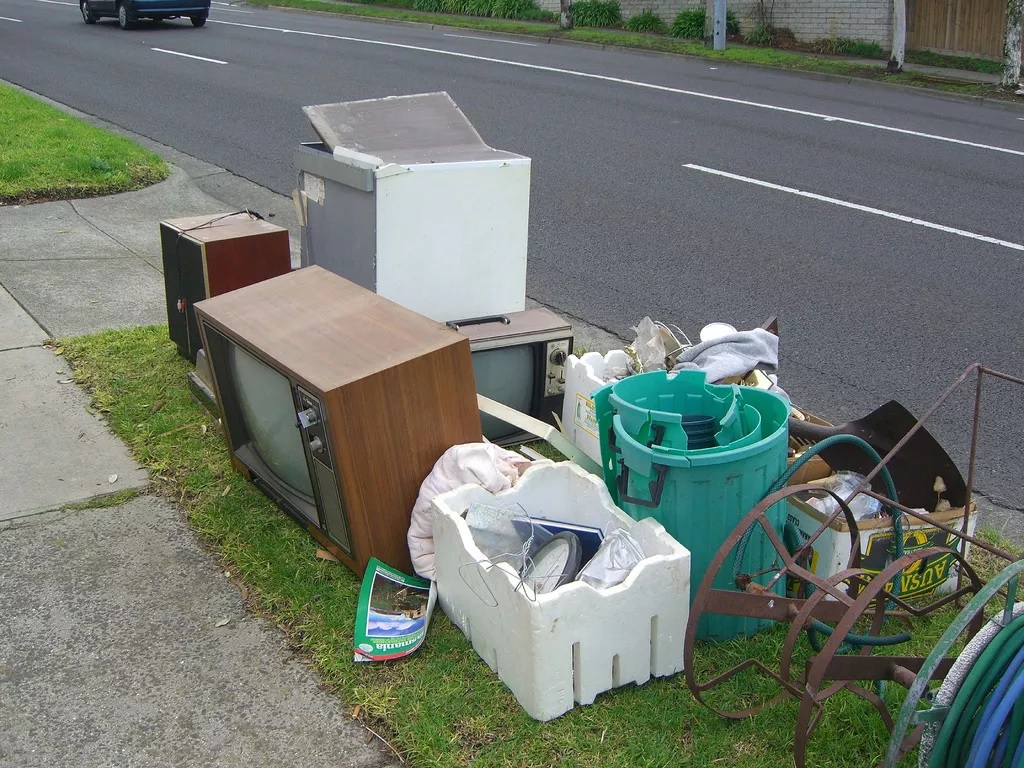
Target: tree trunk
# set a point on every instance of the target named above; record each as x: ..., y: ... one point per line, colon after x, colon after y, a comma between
x: 1011, y: 47
x: 899, y: 36
x: 565, y: 17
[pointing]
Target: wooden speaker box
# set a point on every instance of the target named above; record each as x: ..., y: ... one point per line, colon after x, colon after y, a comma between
x: 206, y: 256
x: 337, y: 403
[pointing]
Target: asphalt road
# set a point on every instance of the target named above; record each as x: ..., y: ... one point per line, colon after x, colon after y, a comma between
x: 872, y: 307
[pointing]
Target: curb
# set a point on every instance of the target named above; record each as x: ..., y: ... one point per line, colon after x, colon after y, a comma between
x: 986, y: 101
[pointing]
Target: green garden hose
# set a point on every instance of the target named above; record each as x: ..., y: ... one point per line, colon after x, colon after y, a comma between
x: 792, y: 541
x: 985, y: 722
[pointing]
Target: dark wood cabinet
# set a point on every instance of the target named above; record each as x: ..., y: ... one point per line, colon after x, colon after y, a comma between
x: 205, y: 256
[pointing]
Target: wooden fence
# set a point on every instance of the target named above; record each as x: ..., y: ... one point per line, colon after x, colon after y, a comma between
x: 966, y: 27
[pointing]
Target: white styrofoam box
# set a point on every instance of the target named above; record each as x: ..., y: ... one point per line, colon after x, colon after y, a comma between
x: 584, y: 376
x: 830, y: 553
x: 564, y: 647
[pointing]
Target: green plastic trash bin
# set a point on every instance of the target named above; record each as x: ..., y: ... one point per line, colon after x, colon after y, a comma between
x: 698, y: 495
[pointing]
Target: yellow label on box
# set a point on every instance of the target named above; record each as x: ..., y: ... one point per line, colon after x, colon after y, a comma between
x: 585, y: 415
x: 921, y: 576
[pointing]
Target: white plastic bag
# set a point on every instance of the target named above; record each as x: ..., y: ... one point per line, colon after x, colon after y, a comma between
x: 843, y: 484
x: 618, y: 554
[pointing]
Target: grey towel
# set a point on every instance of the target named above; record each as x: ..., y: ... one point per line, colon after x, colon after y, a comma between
x: 734, y: 355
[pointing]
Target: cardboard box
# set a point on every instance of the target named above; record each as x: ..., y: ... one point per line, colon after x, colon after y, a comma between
x: 831, y: 552
x: 558, y: 649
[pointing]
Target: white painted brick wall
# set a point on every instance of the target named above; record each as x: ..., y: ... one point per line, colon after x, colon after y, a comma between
x: 809, y: 20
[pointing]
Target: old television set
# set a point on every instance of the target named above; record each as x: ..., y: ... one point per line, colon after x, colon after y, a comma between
x: 336, y: 403
x: 519, y: 360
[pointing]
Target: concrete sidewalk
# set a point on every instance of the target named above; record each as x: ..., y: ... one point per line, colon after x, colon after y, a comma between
x: 114, y: 649
x: 111, y: 653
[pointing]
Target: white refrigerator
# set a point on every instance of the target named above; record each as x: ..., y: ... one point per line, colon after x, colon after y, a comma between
x: 403, y: 197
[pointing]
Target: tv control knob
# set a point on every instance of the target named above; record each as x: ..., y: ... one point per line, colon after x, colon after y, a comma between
x: 316, y: 445
x: 557, y: 357
x: 308, y: 417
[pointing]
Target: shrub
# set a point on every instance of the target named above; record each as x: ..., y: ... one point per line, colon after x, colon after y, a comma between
x: 539, y: 14
x: 501, y: 9
x: 732, y: 24
x: 762, y: 34
x: 869, y: 50
x: 510, y: 9
x: 845, y: 46
x: 691, y: 24
x: 596, y: 13
x: 646, y: 21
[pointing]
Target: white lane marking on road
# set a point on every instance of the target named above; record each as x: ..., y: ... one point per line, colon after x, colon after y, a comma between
x: 8, y: 18
x: 188, y: 56
x: 233, y: 10
x: 859, y: 207
x: 56, y: 2
x: 490, y: 39
x: 637, y: 83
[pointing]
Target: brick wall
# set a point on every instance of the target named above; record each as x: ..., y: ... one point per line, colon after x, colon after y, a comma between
x: 809, y: 20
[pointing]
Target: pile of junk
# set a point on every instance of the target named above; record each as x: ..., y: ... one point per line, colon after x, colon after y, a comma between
x: 395, y: 396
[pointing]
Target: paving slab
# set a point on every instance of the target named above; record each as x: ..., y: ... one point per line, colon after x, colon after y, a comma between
x: 118, y: 658
x: 52, y: 231
x: 17, y: 329
x: 133, y: 218
x: 78, y: 296
x: 53, y: 451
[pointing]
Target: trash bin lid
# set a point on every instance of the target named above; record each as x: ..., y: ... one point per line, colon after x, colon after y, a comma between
x: 407, y: 130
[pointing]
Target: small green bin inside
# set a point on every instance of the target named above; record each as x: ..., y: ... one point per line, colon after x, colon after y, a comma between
x: 698, y: 495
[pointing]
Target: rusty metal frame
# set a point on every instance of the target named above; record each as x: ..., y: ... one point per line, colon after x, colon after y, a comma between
x: 845, y: 600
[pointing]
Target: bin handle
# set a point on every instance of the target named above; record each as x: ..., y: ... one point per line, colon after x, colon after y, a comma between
x: 656, y: 487
x: 657, y: 430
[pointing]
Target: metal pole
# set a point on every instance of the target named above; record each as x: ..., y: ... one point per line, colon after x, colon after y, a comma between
x: 719, y: 25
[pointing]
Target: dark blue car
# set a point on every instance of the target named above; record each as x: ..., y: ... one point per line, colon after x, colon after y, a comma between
x: 127, y: 12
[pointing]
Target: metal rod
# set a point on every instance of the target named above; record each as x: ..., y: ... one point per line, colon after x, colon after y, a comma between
x: 1004, y: 376
x: 866, y: 482
x: 927, y: 518
x: 975, y: 427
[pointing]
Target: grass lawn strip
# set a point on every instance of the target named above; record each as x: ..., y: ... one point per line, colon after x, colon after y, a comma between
x: 442, y: 706
x: 770, y: 57
x: 46, y: 154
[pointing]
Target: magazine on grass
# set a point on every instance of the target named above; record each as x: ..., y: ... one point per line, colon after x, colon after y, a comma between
x: 393, y: 613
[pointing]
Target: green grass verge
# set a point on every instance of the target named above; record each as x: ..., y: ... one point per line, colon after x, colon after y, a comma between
x: 442, y: 706
x: 106, y: 501
x: 793, y: 60
x: 954, y: 62
x: 46, y: 154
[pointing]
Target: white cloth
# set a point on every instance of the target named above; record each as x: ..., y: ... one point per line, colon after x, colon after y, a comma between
x: 484, y: 464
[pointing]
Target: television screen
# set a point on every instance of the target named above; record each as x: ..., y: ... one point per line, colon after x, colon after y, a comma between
x: 506, y: 375
x: 265, y: 399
